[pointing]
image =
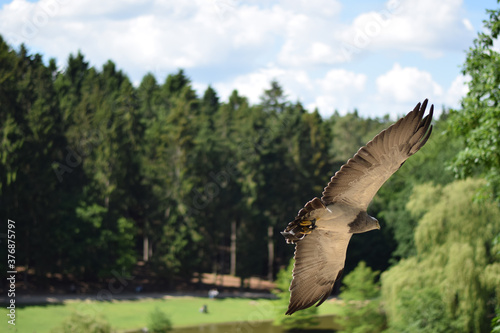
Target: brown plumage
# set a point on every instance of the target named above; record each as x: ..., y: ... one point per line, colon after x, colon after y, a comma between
x: 322, y: 229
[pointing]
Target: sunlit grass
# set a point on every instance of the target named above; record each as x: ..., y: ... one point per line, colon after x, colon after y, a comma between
x: 127, y: 315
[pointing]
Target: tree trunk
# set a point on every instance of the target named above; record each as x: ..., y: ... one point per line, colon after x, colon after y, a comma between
x: 145, y: 247
x: 232, y: 270
x: 150, y: 250
x: 270, y: 250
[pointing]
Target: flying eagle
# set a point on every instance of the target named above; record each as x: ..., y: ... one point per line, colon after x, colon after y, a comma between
x: 323, y: 228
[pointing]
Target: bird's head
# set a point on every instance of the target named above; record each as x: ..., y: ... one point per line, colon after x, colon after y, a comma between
x: 372, y: 223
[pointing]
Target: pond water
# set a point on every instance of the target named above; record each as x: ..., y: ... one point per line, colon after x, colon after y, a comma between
x: 325, y: 326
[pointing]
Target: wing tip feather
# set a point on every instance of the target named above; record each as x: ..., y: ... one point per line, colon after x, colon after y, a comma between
x: 417, y: 128
x: 295, y: 305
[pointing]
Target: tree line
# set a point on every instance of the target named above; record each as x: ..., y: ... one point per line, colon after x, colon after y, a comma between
x: 100, y: 174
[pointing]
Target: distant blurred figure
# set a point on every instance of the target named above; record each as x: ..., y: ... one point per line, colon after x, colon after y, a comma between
x: 213, y: 293
x: 204, y: 309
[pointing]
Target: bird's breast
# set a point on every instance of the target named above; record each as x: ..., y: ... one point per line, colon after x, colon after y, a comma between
x: 336, y: 217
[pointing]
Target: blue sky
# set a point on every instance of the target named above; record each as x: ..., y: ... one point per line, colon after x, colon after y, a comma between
x: 381, y: 57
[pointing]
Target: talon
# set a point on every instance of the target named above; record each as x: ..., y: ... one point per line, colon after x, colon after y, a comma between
x: 305, y: 223
x: 306, y: 230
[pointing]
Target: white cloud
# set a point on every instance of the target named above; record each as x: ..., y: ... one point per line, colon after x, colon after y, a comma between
x: 467, y: 24
x: 138, y: 34
x: 309, y: 35
x: 200, y: 33
x: 457, y: 90
x: 341, y: 80
x: 428, y: 27
x: 317, y: 8
x: 407, y: 84
x: 425, y: 26
x: 338, y: 90
x: 243, y: 45
x: 250, y: 85
x: 309, y: 41
x: 295, y: 83
x: 401, y: 88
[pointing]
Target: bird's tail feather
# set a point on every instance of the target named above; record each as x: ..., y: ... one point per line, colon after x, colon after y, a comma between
x: 297, y: 230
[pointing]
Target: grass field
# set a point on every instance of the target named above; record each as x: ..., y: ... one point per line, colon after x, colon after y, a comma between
x: 127, y: 315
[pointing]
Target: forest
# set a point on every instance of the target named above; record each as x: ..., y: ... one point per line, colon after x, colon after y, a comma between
x: 100, y: 174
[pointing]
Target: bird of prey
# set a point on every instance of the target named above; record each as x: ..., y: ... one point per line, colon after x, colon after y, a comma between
x: 323, y: 228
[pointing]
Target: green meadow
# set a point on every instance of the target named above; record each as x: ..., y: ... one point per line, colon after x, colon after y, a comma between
x: 130, y: 315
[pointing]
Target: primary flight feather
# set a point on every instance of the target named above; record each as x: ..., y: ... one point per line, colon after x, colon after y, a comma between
x: 322, y: 229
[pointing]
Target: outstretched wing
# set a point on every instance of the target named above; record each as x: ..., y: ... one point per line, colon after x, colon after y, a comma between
x: 319, y: 261
x: 357, y: 182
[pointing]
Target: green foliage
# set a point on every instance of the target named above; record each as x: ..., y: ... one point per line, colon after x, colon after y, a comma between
x: 350, y: 132
x: 495, y: 322
x: 454, y: 266
x: 424, y: 311
x: 478, y: 122
x: 159, y: 322
x: 83, y: 323
x: 300, y: 319
x: 361, y: 311
x: 360, y: 284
